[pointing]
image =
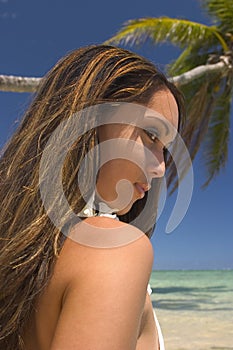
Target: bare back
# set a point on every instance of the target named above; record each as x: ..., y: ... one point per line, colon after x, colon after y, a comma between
x: 95, y: 298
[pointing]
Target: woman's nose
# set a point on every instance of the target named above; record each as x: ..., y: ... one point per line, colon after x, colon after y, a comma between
x: 156, y: 166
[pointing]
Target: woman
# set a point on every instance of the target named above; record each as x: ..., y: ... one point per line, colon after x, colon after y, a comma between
x: 58, y: 292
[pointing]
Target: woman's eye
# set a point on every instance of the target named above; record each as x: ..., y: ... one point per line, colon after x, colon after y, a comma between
x: 153, y: 136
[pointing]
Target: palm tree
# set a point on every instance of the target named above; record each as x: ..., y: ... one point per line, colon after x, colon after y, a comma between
x: 203, y: 71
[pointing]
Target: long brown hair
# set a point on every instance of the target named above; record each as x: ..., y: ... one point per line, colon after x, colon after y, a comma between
x: 30, y: 242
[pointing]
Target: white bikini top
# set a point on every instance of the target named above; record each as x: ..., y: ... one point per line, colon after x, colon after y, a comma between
x: 160, y: 335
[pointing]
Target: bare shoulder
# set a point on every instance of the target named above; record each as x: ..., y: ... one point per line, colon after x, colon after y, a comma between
x: 105, y: 291
x: 105, y: 241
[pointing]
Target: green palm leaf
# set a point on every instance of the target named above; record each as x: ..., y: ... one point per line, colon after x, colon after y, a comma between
x: 188, y: 59
x: 179, y: 32
x: 192, y: 135
x: 217, y: 139
x: 222, y: 13
x: 200, y: 101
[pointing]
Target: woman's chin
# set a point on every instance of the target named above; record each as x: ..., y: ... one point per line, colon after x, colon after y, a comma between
x: 128, y: 207
x: 124, y: 210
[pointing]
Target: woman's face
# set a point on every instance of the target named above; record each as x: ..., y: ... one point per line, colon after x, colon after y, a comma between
x: 121, y: 182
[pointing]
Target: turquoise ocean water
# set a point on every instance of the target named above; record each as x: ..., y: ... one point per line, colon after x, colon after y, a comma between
x: 194, y: 308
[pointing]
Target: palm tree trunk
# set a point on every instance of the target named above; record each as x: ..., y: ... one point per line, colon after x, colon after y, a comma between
x: 221, y: 67
x: 18, y: 84
x: 23, y: 84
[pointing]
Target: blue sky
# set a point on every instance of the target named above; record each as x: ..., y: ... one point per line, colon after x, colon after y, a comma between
x: 34, y: 35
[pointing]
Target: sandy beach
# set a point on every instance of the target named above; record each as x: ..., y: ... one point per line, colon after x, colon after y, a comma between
x: 185, y: 330
x: 194, y: 309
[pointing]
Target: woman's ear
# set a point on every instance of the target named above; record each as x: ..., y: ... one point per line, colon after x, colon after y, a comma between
x: 96, y: 135
x: 102, y: 133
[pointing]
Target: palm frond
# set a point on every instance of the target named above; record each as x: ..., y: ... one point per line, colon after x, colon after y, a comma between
x: 200, y: 102
x: 192, y: 135
x: 182, y: 63
x: 222, y: 12
x: 217, y: 139
x: 179, y: 32
x: 190, y: 58
x: 199, y: 110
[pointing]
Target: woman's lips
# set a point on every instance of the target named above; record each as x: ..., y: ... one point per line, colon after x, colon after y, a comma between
x: 142, y: 188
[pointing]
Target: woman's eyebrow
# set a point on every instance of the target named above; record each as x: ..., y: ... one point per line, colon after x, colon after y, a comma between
x: 167, y: 129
